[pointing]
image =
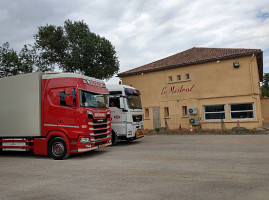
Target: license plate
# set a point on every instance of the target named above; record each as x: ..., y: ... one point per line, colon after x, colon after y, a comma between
x: 139, y: 133
x: 100, y: 146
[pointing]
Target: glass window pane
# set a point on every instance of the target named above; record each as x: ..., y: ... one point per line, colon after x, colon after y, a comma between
x: 62, y: 99
x: 184, y: 110
x: 166, y: 111
x: 74, y: 96
x: 242, y: 115
x: 217, y: 108
x: 215, y: 116
x: 238, y: 107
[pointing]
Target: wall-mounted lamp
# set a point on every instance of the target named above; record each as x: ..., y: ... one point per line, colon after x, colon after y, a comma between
x: 236, y: 64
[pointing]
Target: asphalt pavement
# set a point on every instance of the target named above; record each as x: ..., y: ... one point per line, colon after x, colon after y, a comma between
x: 158, y: 167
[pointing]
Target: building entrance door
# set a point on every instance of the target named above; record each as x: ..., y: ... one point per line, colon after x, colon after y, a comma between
x: 156, y: 117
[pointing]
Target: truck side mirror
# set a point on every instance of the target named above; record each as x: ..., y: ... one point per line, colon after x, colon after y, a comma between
x: 69, y: 101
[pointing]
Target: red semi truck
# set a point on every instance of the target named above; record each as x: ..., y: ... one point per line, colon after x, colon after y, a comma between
x: 53, y: 114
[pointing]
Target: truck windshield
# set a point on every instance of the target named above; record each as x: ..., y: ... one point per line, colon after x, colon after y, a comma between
x: 134, y: 102
x: 92, y: 100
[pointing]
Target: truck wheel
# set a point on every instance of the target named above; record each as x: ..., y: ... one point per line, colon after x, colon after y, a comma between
x: 114, y: 138
x: 57, y: 149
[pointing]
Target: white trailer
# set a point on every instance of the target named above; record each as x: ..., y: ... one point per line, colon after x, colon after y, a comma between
x: 126, y: 113
x: 20, y: 105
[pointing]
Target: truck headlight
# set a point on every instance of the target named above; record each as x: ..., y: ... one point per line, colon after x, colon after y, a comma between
x: 84, y: 140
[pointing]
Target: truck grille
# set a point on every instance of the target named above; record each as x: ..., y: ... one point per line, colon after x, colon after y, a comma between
x: 99, y: 136
x: 100, y: 131
x: 99, y: 120
x: 99, y: 126
x: 137, y: 118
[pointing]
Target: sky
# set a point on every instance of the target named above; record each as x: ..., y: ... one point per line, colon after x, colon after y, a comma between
x: 143, y: 31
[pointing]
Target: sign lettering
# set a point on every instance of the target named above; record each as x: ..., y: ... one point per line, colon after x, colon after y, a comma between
x: 175, y: 90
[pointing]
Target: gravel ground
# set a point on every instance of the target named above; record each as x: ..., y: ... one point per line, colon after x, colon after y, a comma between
x: 154, y: 167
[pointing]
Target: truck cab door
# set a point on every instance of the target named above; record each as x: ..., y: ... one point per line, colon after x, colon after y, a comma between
x: 119, y: 117
x: 66, y: 111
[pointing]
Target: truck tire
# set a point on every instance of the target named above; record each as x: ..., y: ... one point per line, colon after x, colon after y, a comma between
x: 57, y: 149
x: 114, y: 138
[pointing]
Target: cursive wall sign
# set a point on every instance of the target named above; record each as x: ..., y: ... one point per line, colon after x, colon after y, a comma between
x: 175, y: 90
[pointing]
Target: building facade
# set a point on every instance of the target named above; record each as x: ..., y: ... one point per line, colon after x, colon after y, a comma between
x: 210, y: 88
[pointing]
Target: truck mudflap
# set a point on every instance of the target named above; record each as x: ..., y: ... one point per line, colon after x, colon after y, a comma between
x: 139, y: 133
x: 90, y: 148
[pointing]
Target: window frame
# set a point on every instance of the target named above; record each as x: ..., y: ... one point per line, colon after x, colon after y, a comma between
x: 184, y: 111
x: 253, y: 110
x: 166, y: 112
x: 170, y: 79
x: 187, y: 76
x: 224, y: 106
x: 178, y: 77
x: 146, y: 113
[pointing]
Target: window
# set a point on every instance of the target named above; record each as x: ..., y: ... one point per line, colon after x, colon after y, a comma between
x: 74, y: 97
x: 187, y: 76
x: 134, y: 101
x: 242, y: 111
x: 92, y: 100
x: 63, y: 99
x: 166, y: 112
x: 146, y: 113
x: 170, y: 79
x: 114, y: 102
x: 213, y: 112
x: 178, y: 78
x: 184, y: 110
x: 63, y: 96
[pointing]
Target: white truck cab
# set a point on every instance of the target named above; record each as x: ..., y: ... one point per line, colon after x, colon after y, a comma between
x: 126, y: 113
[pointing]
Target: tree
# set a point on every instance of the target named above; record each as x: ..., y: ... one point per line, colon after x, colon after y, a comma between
x: 9, y: 62
x: 74, y: 48
x: 265, y: 85
x: 26, y: 61
x: 31, y: 61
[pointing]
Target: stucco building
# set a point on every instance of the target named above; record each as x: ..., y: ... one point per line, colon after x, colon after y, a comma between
x: 210, y: 88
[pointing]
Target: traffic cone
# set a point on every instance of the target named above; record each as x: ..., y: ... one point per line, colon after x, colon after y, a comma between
x: 238, y: 125
x: 191, y: 130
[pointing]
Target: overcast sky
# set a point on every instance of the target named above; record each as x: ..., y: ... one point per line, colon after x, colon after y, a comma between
x: 144, y: 31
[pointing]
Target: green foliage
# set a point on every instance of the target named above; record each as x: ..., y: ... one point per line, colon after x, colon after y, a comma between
x: 8, y: 61
x: 26, y: 61
x: 74, y: 48
x: 265, y: 85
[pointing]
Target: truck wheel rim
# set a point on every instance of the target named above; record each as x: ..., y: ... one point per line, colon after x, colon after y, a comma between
x: 57, y: 149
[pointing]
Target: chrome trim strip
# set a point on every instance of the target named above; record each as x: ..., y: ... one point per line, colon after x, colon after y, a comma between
x: 67, y: 126
x: 50, y: 125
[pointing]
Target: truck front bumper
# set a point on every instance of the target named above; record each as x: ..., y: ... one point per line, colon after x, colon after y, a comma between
x: 90, y: 148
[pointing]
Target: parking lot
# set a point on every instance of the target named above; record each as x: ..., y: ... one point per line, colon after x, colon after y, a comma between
x: 154, y: 167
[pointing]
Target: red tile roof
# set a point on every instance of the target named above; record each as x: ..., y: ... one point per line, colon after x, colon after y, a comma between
x: 191, y: 56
